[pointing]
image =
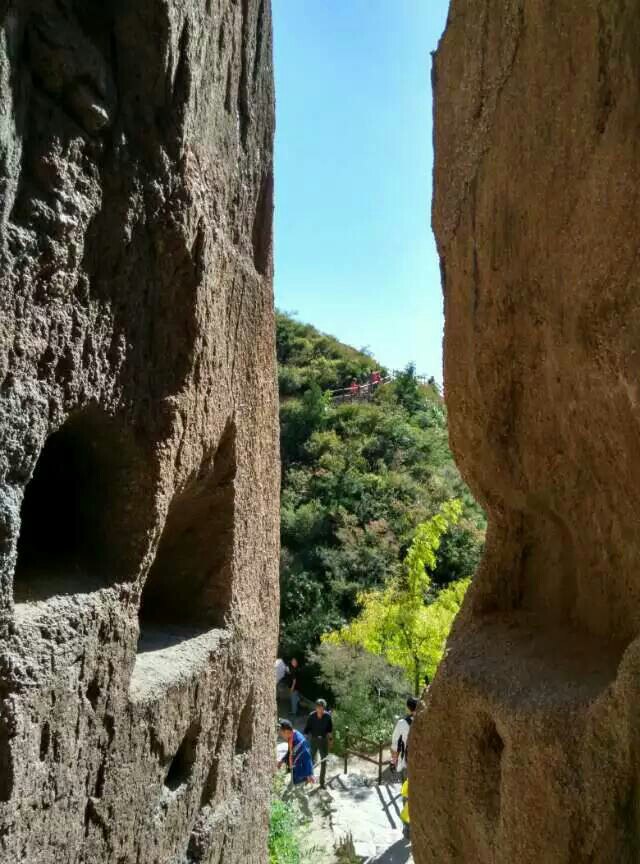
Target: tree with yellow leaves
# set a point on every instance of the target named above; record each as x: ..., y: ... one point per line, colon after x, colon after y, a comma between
x: 406, y: 622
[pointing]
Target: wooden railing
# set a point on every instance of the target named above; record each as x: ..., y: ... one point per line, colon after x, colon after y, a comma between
x: 352, y: 742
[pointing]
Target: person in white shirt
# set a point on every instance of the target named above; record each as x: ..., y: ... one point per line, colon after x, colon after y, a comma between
x: 281, y: 670
x: 400, y: 739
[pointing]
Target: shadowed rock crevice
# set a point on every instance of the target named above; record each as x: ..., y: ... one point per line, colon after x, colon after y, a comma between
x: 211, y: 783
x: 181, y: 766
x: 45, y: 741
x: 244, y: 738
x: 487, y: 752
x: 75, y: 535
x: 6, y: 763
x: 261, y: 234
x: 188, y: 592
x: 190, y: 581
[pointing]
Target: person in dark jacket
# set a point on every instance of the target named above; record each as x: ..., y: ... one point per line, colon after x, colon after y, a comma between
x: 319, y: 729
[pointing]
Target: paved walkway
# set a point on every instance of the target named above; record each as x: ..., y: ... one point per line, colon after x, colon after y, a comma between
x: 354, y: 805
x: 370, y: 814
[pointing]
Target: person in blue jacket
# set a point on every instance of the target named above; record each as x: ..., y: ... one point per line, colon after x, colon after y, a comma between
x: 298, y: 755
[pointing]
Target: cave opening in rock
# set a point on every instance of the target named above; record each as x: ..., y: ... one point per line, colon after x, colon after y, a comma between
x: 188, y: 589
x: 73, y: 508
x: 182, y: 764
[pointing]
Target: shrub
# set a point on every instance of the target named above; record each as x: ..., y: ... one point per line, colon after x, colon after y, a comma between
x: 368, y: 692
x: 284, y: 847
x: 285, y: 826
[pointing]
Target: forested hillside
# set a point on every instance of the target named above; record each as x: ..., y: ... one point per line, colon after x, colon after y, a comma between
x: 357, y: 480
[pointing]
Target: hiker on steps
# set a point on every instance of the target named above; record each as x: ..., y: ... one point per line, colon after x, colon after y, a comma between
x: 298, y: 756
x: 281, y: 671
x: 404, y: 814
x: 299, y: 762
x: 400, y: 739
x: 319, y: 729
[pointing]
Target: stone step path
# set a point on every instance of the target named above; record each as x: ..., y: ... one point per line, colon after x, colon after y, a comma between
x: 353, y: 805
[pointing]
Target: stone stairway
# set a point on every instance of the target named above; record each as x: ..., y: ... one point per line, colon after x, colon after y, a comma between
x: 354, y: 805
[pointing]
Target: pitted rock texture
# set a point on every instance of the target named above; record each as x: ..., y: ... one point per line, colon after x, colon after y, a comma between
x: 138, y: 431
x: 528, y: 750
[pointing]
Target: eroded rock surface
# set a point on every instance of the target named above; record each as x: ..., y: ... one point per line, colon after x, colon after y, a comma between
x: 528, y: 750
x: 138, y: 431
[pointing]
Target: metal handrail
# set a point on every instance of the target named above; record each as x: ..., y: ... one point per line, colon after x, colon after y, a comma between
x: 365, y: 389
x: 365, y: 386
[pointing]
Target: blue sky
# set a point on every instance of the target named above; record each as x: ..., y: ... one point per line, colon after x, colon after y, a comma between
x: 354, y: 253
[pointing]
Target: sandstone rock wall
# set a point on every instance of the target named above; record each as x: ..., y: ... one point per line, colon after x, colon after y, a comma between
x: 529, y: 748
x: 138, y: 431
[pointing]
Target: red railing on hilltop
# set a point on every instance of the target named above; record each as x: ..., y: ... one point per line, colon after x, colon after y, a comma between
x: 363, y: 392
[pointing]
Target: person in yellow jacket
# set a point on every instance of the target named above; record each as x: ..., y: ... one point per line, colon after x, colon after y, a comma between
x: 404, y: 813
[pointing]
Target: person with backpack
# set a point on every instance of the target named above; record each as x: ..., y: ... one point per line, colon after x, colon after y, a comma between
x: 400, y: 739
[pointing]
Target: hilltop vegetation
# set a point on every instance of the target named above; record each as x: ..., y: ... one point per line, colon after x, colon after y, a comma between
x: 307, y: 357
x: 357, y: 481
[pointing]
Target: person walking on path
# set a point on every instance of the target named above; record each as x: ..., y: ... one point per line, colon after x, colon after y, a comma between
x: 319, y: 728
x: 281, y: 670
x: 293, y: 681
x: 404, y: 815
x: 400, y: 739
x: 300, y: 764
x: 298, y: 756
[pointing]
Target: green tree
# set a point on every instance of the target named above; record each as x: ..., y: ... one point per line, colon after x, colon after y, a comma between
x: 368, y: 692
x: 407, y: 389
x: 407, y: 622
x: 358, y: 479
x: 299, y: 418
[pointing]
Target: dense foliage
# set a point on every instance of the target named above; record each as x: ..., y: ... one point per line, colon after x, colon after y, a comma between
x: 358, y: 479
x: 367, y: 691
x: 308, y: 357
x: 408, y: 621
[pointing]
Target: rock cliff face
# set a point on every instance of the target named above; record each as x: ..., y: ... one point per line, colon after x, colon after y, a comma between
x: 529, y: 748
x: 138, y: 431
